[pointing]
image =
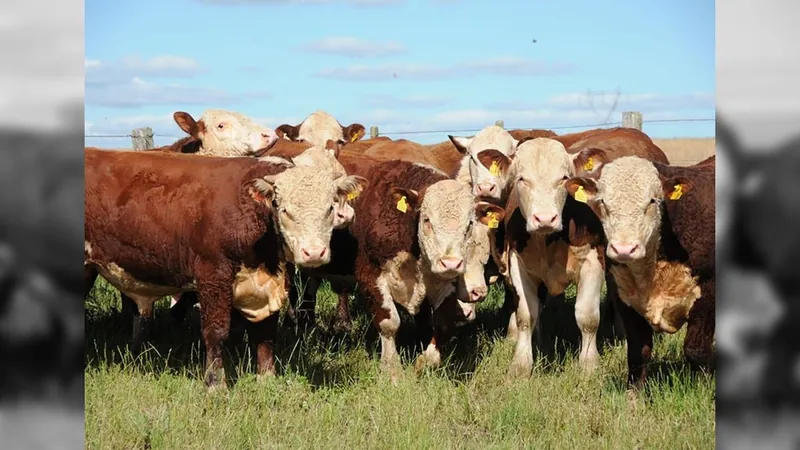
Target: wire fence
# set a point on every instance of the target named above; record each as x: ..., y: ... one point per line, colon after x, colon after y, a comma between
x: 454, y: 131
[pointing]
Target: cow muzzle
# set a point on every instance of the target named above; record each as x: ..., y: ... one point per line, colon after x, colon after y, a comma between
x: 627, y: 251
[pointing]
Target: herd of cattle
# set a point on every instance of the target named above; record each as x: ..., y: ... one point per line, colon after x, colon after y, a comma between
x: 226, y: 215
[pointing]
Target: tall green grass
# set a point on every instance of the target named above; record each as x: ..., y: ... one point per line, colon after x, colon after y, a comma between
x: 329, y: 392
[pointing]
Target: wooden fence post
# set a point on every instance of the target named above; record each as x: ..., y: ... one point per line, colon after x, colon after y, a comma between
x: 373, y: 131
x: 142, y: 138
x: 499, y: 123
x: 632, y: 119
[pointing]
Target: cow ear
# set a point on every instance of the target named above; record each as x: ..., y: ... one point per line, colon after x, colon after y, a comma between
x: 334, y: 147
x: 461, y: 143
x: 187, y: 123
x: 261, y: 191
x: 288, y: 132
x: 353, y: 132
x: 349, y: 187
x: 285, y: 162
x: 489, y: 214
x: 404, y: 199
x: 676, y: 187
x: 581, y: 189
x: 589, y: 161
x: 495, y: 161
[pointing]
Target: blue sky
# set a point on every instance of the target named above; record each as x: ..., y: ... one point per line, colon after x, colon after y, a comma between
x: 404, y: 65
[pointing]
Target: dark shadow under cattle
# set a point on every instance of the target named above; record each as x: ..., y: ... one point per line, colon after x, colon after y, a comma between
x: 315, y: 352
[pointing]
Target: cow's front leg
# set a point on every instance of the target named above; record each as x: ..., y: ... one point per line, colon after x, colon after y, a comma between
x: 527, y: 314
x: 261, y: 338
x: 639, y: 335
x: 587, y: 310
x: 140, y: 309
x: 216, y: 299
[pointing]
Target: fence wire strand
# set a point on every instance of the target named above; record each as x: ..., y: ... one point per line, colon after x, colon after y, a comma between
x: 403, y: 133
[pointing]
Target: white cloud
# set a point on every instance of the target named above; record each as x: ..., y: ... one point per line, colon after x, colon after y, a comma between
x: 354, y: 47
x: 504, y: 65
x: 602, y: 102
x: 124, y: 84
x: 300, y: 2
x: 165, y: 66
x: 410, y: 101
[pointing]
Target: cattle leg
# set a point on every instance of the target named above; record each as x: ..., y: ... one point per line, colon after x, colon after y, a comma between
x: 142, y: 314
x: 509, y: 307
x: 612, y: 293
x: 387, y: 321
x: 342, y: 323
x: 639, y: 336
x: 216, y: 299
x: 89, y: 277
x: 527, y: 314
x: 443, y: 320
x: 698, y: 343
x: 587, y: 310
x: 261, y: 338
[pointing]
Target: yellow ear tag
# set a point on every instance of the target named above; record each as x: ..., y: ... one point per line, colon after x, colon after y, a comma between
x: 494, y: 169
x: 676, y: 194
x: 493, y: 222
x: 580, y: 195
x: 353, y: 139
x: 402, y: 204
x: 352, y: 195
x: 589, y: 165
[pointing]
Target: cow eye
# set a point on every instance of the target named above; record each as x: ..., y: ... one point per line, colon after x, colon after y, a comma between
x: 221, y: 126
x: 330, y: 211
x: 652, y: 201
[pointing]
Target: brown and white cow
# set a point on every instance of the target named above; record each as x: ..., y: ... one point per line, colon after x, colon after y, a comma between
x: 659, y: 224
x: 486, y: 182
x: 550, y: 240
x: 320, y: 127
x: 230, y: 225
x: 412, y: 224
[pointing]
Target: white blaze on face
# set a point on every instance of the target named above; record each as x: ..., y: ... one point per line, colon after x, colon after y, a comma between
x: 232, y: 134
x: 628, y: 202
x: 540, y: 169
x: 324, y: 158
x: 318, y: 128
x: 445, y: 217
x: 484, y: 183
x: 305, y: 200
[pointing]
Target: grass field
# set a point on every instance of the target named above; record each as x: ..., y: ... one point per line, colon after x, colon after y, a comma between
x: 329, y: 392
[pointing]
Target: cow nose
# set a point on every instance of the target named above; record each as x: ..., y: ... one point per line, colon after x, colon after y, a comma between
x: 451, y: 263
x: 625, y: 250
x: 485, y: 189
x: 546, y: 220
x: 477, y: 294
x: 314, y: 253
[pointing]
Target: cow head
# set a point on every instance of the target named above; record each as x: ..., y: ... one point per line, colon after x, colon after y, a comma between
x: 472, y: 285
x: 328, y: 158
x: 539, y: 170
x: 303, y: 202
x: 319, y: 127
x: 486, y: 181
x: 226, y: 133
x: 628, y: 198
x: 444, y: 212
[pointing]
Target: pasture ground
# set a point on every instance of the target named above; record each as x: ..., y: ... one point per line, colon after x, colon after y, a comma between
x: 329, y: 392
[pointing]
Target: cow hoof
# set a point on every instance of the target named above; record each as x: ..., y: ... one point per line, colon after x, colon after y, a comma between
x: 215, y: 379
x: 341, y: 326
x: 589, y: 365
x: 519, y: 370
x: 265, y: 377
